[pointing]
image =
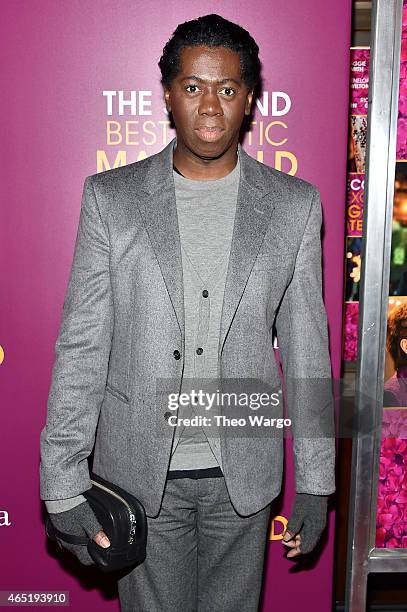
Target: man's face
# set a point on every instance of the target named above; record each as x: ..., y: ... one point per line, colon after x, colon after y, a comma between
x: 208, y: 100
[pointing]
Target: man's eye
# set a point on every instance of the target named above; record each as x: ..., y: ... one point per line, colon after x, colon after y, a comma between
x: 230, y: 89
x: 191, y: 86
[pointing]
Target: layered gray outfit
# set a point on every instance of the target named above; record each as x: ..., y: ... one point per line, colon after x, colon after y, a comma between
x: 146, y: 308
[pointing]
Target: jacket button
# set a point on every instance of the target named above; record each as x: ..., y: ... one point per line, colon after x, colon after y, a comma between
x: 177, y: 354
x: 205, y: 293
x: 199, y: 351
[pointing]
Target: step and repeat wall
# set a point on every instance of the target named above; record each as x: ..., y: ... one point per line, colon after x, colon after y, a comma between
x: 83, y: 95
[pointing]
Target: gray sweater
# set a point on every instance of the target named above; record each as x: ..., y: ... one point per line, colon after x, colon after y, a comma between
x: 206, y: 212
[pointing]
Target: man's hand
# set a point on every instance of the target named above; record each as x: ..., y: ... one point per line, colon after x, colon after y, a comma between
x: 306, y: 523
x: 80, y: 520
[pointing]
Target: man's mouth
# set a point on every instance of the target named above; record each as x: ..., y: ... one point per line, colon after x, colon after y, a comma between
x: 209, y: 134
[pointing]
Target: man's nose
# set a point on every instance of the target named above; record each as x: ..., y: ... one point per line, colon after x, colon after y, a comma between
x: 210, y: 104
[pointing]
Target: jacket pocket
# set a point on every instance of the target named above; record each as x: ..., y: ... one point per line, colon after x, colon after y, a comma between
x: 117, y: 393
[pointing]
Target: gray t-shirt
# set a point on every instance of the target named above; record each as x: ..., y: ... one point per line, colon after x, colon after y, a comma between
x: 206, y: 213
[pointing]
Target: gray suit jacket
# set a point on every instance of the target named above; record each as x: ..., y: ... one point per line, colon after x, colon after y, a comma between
x: 123, y: 322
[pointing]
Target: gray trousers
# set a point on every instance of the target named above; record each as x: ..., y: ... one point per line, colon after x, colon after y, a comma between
x: 201, y: 555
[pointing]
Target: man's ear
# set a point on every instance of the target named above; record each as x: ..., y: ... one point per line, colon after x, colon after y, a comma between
x: 167, y: 98
x: 249, y: 101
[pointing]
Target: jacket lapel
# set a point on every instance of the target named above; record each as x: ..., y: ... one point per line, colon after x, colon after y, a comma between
x: 252, y: 219
x: 159, y: 214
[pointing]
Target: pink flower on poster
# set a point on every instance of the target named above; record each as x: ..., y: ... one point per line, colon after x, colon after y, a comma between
x: 401, y: 152
x: 351, y: 331
x: 391, y: 519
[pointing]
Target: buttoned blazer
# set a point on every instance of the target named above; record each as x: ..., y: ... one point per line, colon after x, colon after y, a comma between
x: 122, y: 330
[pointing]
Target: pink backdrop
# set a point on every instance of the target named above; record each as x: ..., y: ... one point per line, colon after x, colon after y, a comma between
x: 60, y: 57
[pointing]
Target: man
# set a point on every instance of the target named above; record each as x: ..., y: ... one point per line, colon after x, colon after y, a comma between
x: 182, y: 264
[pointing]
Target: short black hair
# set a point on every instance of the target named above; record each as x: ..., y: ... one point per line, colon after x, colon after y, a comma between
x: 211, y: 31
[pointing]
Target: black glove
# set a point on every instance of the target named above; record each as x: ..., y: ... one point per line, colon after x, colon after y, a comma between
x: 82, y: 521
x: 308, y: 518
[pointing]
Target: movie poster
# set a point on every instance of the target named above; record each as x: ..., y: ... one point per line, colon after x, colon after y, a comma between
x: 359, y: 86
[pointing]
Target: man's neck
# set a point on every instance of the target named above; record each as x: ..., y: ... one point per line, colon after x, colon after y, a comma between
x: 177, y: 171
x: 190, y: 166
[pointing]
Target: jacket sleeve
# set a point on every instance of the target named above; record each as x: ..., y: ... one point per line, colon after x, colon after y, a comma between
x: 81, y: 360
x: 62, y: 505
x: 302, y: 337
